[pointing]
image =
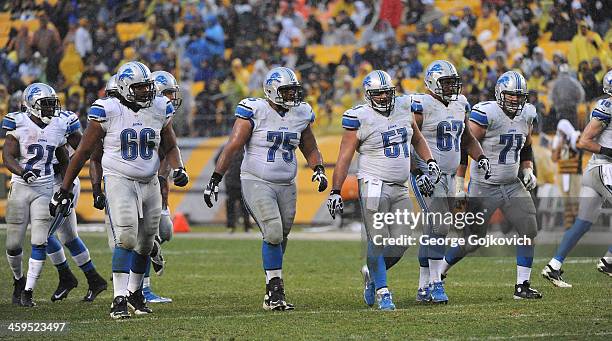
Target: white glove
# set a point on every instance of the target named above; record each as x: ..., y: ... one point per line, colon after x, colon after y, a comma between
x: 460, y: 193
x: 29, y: 177
x: 334, y: 203
x: 434, y: 170
x: 423, y: 182
x: 529, y: 179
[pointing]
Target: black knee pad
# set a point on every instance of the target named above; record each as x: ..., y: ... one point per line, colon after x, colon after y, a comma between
x: 14, y: 252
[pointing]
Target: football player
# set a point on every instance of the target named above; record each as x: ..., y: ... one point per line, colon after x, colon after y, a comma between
x: 381, y: 131
x: 442, y: 118
x: 34, y: 138
x: 68, y: 235
x: 133, y: 128
x: 503, y: 128
x: 596, y: 186
x: 270, y: 129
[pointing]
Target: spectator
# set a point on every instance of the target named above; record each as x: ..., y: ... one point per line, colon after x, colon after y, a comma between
x: 82, y: 39
x: 91, y: 80
x: 458, y: 29
x: 33, y: 70
x: 47, y: 41
x: 584, y: 46
x: 565, y: 95
x: 540, y: 110
x: 412, y: 65
x: 469, y: 18
x: 562, y: 27
x: 377, y: 35
x: 597, y: 10
x: 538, y: 61
x: 22, y: 44
x: 592, y: 88
x: 257, y: 78
x: 474, y: 51
x: 314, y: 31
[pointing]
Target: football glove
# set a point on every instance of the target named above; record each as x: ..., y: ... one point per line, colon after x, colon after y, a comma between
x: 61, y: 203
x: 485, y: 165
x: 99, y: 201
x: 461, y: 197
x: 212, y: 189
x: 434, y: 170
x: 529, y: 179
x: 180, y: 177
x: 319, y: 176
x: 334, y: 203
x: 29, y: 177
x: 426, y: 187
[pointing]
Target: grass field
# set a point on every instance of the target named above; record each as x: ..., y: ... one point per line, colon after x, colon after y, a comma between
x: 217, y: 287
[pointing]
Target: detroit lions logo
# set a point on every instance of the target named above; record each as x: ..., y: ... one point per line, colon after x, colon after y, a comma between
x: 275, y: 77
x: 505, y: 81
x: 161, y: 80
x: 434, y: 68
x: 35, y: 91
x: 127, y: 73
x: 367, y: 82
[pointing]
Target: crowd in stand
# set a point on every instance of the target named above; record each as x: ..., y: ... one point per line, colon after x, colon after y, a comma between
x: 227, y: 46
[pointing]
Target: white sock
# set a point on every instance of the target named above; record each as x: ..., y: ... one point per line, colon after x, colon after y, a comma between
x: 435, y: 265
x: 423, y: 277
x: 273, y: 273
x: 15, y: 265
x: 608, y: 257
x: 146, y: 282
x: 34, y: 270
x: 135, y: 281
x: 57, y: 257
x: 522, y: 274
x: 555, y: 264
x: 444, y: 267
x: 382, y: 291
x: 120, y: 283
x: 82, y: 258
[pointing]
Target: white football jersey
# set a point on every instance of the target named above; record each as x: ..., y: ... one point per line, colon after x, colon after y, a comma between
x: 442, y: 128
x: 37, y: 145
x: 132, y: 138
x: 384, y: 142
x: 603, y: 113
x: 503, y: 140
x: 270, y: 153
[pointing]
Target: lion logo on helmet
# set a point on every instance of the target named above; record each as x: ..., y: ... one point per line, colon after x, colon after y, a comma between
x: 505, y: 80
x: 33, y: 92
x: 127, y: 73
x: 434, y: 68
x: 161, y: 79
x: 275, y: 77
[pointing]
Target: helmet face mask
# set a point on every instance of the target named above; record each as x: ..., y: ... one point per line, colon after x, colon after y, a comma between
x: 168, y: 86
x: 175, y: 97
x: 513, y: 102
x: 607, y: 83
x: 290, y: 95
x: 141, y: 93
x: 382, y: 100
x: 111, y: 89
x: 511, y: 93
x: 449, y: 88
x: 135, y: 84
x: 40, y: 100
x: 48, y: 107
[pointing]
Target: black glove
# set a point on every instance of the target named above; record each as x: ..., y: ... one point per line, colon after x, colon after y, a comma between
x: 212, y: 189
x: 334, y: 203
x: 485, y: 165
x: 61, y: 203
x: 29, y: 176
x: 99, y: 197
x: 423, y: 182
x: 319, y: 176
x: 180, y: 177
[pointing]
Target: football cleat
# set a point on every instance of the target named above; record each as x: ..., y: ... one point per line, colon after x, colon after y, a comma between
x: 96, y: 283
x: 438, y: 295
x: 604, y: 267
x: 151, y: 297
x: 524, y: 291
x: 385, y: 301
x: 275, y: 296
x: 369, y: 289
x: 157, y: 259
x: 423, y: 295
x: 19, y: 285
x: 67, y: 282
x: 554, y: 276
x: 137, y: 302
x: 119, y: 308
x: 26, y: 298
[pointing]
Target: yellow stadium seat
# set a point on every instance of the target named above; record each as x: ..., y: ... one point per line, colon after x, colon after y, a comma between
x: 197, y: 87
x: 71, y: 65
x: 550, y: 47
x: 329, y: 54
x: 131, y: 31
x: 412, y: 85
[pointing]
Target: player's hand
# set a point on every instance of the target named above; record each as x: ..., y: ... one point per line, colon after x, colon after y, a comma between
x: 180, y: 177
x: 212, y: 189
x: 319, y: 176
x: 434, y: 170
x: 423, y: 182
x: 61, y: 203
x: 334, y: 203
x: 29, y: 177
x: 485, y: 165
x: 529, y: 179
x: 99, y: 197
x: 461, y: 197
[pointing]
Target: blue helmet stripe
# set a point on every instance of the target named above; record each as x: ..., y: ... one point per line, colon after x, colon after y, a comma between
x: 144, y: 72
x: 382, y: 78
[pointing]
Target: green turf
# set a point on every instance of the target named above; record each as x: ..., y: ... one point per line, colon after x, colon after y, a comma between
x: 217, y: 287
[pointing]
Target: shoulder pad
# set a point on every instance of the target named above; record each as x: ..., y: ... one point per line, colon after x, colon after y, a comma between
x: 12, y: 120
